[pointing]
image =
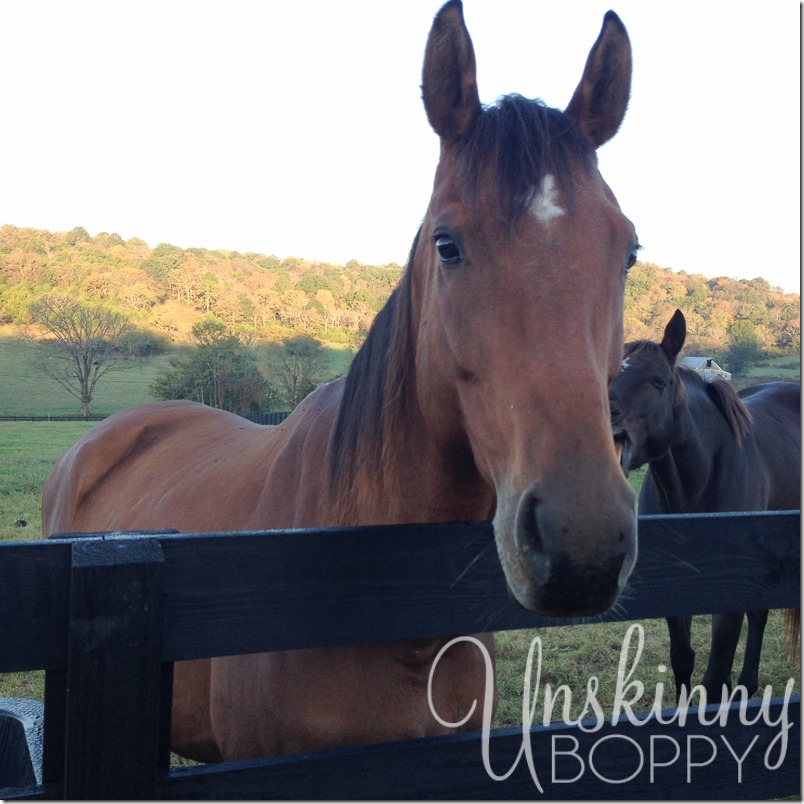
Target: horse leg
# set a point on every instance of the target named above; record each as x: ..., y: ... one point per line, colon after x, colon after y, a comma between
x: 749, y: 677
x: 191, y: 728
x: 791, y: 624
x: 682, y: 656
x: 725, y: 636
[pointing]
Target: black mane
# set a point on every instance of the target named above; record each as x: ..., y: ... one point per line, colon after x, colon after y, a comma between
x: 359, y: 431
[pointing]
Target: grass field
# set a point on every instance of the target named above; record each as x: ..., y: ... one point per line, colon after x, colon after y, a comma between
x: 779, y: 368
x: 783, y: 368
x: 27, y: 452
x: 26, y: 392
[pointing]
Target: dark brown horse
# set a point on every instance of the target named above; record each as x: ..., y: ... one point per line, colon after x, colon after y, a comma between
x: 708, y: 449
x: 463, y: 403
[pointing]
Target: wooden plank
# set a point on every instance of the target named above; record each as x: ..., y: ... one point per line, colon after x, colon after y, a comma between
x: 55, y: 726
x: 270, y: 590
x: 235, y: 593
x: 338, y: 586
x: 35, y: 590
x: 34, y: 601
x: 690, y: 562
x: 622, y: 762
x: 114, y: 670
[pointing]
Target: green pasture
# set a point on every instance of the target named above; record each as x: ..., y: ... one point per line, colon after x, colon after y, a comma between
x: 27, y: 452
x: 785, y: 366
x: 780, y: 368
x: 26, y: 392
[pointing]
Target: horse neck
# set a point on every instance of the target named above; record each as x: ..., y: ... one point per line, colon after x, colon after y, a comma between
x: 696, y: 473
x: 429, y: 480
x: 685, y: 474
x: 386, y: 465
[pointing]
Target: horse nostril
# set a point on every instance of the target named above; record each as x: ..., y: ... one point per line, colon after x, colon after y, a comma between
x: 529, y: 539
x: 528, y: 531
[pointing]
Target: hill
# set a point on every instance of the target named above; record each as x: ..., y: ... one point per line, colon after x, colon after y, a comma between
x: 719, y: 312
x: 165, y: 290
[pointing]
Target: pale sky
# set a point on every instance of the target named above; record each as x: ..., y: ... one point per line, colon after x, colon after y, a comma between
x: 296, y: 128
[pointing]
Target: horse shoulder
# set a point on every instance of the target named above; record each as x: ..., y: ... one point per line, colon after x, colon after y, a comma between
x: 89, y: 462
x: 776, y: 432
x: 781, y: 399
x: 140, y: 468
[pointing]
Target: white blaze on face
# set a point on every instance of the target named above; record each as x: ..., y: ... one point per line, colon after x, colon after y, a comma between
x: 544, y: 207
x: 625, y: 364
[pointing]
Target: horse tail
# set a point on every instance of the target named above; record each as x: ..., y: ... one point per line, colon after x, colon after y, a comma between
x: 791, y: 628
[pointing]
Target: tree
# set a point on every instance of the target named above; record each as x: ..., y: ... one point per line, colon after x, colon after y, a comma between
x: 297, y: 367
x: 78, y: 235
x: 744, y: 351
x: 89, y: 343
x: 221, y: 371
x: 162, y: 260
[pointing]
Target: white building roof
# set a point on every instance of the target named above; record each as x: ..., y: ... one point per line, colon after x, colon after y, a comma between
x: 705, y: 366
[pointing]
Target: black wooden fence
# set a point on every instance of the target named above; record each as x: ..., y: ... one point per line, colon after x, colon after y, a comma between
x: 275, y: 417
x: 106, y: 616
x: 20, y: 418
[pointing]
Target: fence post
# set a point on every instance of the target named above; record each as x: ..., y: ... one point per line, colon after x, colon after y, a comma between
x: 114, y: 670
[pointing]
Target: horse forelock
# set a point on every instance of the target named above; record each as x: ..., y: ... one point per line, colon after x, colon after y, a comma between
x: 522, y: 141
x: 635, y: 347
x: 647, y: 348
x: 369, y: 409
x: 655, y: 350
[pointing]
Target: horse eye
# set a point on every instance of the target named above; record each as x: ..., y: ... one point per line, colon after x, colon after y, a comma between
x: 659, y: 382
x: 448, y: 251
x: 632, y: 258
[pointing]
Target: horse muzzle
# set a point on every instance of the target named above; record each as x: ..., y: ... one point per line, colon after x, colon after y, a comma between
x: 568, y: 560
x: 624, y: 447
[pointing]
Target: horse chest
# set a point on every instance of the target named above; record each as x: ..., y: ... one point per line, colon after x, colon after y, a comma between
x: 333, y: 697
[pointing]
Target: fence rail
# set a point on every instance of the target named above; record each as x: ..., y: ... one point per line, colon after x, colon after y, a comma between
x: 181, y: 596
x: 90, y: 418
x: 275, y: 417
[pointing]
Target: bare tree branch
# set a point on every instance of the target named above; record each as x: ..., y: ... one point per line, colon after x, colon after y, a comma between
x: 88, y: 343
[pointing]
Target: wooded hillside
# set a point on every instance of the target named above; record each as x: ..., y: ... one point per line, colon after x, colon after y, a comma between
x: 167, y: 289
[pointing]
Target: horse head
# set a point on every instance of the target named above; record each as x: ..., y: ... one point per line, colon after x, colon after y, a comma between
x: 517, y: 281
x: 644, y: 396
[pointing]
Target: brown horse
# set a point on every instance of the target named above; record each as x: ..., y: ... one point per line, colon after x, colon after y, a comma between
x: 708, y: 449
x: 466, y: 401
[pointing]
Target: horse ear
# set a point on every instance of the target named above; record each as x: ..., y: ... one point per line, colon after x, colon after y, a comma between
x: 449, y: 77
x: 600, y: 100
x: 675, y: 333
